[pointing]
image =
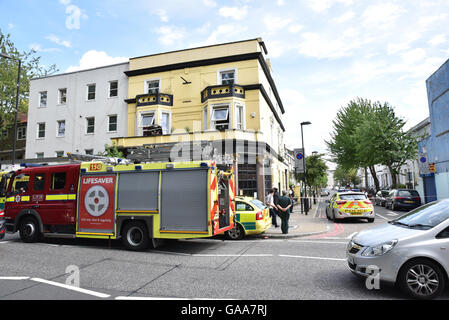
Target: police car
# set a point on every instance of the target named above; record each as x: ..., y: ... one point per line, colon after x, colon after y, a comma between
x: 251, y: 217
x: 349, y: 204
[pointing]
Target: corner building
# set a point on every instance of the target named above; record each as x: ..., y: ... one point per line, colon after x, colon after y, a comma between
x: 216, y: 102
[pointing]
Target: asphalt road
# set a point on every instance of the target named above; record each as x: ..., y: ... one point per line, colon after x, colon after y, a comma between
x: 255, y: 269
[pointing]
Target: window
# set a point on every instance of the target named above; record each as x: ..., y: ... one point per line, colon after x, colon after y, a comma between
x: 227, y: 77
x: 89, y: 151
x: 59, y: 154
x: 113, y: 89
x: 21, y: 133
x: 42, y: 99
x: 39, y: 155
x: 146, y: 120
x: 165, y: 122
x: 62, y: 96
x: 152, y: 86
x: 91, y: 91
x: 242, y: 206
x: 90, y: 125
x: 240, y: 117
x: 39, y: 182
x: 205, y: 119
x: 61, y: 128
x: 4, y: 133
x: 220, y: 118
x: 41, y: 130
x: 57, y: 181
x: 20, y: 183
x: 112, y: 123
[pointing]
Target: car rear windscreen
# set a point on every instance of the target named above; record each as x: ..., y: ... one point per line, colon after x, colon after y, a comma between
x: 352, y: 197
x: 408, y: 193
x: 258, y: 204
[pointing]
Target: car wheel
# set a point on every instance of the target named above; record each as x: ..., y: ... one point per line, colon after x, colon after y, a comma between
x: 135, y: 236
x: 421, y: 279
x: 29, y: 230
x: 393, y: 207
x: 370, y: 220
x: 236, y: 233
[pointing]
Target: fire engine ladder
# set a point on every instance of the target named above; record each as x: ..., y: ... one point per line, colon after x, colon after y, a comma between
x: 87, y: 157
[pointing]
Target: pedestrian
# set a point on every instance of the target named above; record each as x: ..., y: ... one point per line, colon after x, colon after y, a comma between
x: 291, y: 194
x: 269, y: 201
x: 284, y: 204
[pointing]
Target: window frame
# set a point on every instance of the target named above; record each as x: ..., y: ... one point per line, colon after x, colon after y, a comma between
x: 94, y: 93
x: 60, y: 96
x: 227, y: 70
x: 109, y: 122
x: 58, y: 124
x: 139, y: 121
x: 110, y: 90
x: 213, y: 122
x: 19, y: 129
x: 40, y: 99
x: 87, y: 125
x: 147, y: 81
x: 59, y: 151
x: 240, y: 106
x: 161, y: 116
x: 38, y: 130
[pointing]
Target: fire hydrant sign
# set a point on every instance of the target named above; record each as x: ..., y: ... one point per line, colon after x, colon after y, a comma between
x: 96, y: 204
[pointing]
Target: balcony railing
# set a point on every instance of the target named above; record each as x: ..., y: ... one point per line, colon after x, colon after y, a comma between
x: 154, y: 99
x: 222, y: 91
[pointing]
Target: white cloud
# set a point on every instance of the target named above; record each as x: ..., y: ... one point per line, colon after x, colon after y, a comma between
x: 322, y: 5
x: 10, y: 26
x: 438, y: 39
x: 210, y: 3
x: 234, y: 12
x: 94, y: 59
x: 162, y: 15
x: 345, y: 17
x: 64, y: 2
x: 273, y: 23
x: 323, y: 46
x: 280, y: 2
x: 56, y: 40
x: 38, y: 48
x: 295, y: 28
x: 426, y: 21
x: 222, y: 33
x: 382, y: 15
x: 170, y: 34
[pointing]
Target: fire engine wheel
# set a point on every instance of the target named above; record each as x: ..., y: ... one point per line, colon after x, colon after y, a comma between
x: 236, y: 233
x: 135, y: 236
x: 29, y: 230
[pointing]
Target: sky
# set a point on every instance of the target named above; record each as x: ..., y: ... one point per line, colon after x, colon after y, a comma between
x: 324, y: 53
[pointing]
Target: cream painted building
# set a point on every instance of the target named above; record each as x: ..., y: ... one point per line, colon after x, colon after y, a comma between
x: 216, y: 102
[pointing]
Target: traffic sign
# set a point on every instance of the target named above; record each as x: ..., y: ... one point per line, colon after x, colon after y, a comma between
x: 299, y: 160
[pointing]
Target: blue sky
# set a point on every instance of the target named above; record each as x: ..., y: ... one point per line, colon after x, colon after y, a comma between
x: 323, y: 52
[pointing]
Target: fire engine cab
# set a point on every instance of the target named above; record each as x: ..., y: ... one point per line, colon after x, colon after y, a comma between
x: 138, y: 203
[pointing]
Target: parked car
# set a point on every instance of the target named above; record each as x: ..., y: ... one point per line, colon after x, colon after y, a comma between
x: 2, y: 225
x: 324, y: 192
x: 251, y: 217
x: 349, y: 205
x: 379, y: 199
x: 402, y: 199
x: 410, y: 251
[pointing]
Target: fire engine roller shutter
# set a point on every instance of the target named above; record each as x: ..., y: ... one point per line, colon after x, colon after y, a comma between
x: 184, y: 200
x: 138, y: 191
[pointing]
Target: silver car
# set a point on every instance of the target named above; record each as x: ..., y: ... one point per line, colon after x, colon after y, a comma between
x: 411, y: 251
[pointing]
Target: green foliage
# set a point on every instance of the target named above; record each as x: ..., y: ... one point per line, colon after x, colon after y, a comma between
x: 111, y: 151
x: 346, y: 177
x: 316, y: 171
x: 30, y: 68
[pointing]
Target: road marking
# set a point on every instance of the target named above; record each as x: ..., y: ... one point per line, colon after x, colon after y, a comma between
x: 351, y: 235
x: 164, y: 298
x: 307, y: 257
x: 14, y: 278
x: 231, y: 255
x: 392, y: 214
x: 382, y: 217
x: 319, y: 241
x: 65, y: 286
x: 3, y: 242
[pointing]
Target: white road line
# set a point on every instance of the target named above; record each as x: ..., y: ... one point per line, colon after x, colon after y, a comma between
x: 319, y: 241
x: 307, y: 257
x: 14, y: 278
x: 163, y: 298
x: 3, y: 242
x: 351, y: 235
x: 65, y: 286
x: 382, y: 217
x: 232, y: 255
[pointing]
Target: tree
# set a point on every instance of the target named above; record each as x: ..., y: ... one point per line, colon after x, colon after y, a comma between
x: 346, y: 177
x: 30, y: 68
x: 383, y: 140
x: 111, y: 151
x: 316, y: 171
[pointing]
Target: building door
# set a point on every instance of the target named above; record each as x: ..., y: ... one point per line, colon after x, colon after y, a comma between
x: 430, y: 191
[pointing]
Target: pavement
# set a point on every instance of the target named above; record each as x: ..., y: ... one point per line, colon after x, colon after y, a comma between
x: 300, y: 225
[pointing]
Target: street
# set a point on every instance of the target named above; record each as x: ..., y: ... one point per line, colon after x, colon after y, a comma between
x: 311, y: 268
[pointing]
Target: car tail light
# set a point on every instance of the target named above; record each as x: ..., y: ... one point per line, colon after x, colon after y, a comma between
x: 2, y: 213
x: 341, y: 202
x: 417, y: 198
x: 398, y: 198
x: 259, y: 216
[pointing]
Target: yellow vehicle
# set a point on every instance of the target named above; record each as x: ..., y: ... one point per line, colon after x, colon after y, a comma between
x: 251, y: 217
x: 349, y: 205
x: 3, y: 183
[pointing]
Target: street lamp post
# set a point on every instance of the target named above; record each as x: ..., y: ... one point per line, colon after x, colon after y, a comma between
x: 17, y: 105
x: 306, y: 202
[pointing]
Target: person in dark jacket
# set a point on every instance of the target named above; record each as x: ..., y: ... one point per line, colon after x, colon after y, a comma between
x: 284, y: 204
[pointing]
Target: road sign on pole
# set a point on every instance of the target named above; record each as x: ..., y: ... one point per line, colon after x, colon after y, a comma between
x: 299, y: 160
